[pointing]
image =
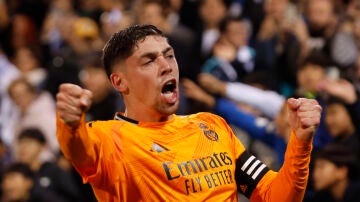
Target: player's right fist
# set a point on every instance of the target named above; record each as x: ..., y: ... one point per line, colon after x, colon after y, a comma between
x: 71, y: 102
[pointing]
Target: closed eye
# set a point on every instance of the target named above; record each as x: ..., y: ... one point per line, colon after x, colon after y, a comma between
x: 170, y: 56
x: 148, y: 62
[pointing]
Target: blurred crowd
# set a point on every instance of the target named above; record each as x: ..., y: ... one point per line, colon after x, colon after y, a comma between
x: 240, y: 59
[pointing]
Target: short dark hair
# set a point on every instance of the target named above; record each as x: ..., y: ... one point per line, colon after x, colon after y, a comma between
x: 340, y: 155
x: 32, y: 133
x: 21, y: 168
x: 224, y: 23
x: 316, y: 58
x: 121, y: 44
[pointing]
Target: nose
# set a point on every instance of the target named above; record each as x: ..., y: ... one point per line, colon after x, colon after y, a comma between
x: 165, y: 67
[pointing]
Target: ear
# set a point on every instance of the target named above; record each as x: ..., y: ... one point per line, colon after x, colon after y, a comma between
x: 119, y: 82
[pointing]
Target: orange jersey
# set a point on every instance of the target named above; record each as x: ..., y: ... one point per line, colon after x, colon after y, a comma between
x: 188, y: 158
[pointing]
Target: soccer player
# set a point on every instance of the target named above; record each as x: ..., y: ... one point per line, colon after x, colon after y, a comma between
x: 148, y: 153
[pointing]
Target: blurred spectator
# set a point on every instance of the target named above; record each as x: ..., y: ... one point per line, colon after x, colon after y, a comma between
x: 219, y: 65
x: 18, y: 185
x: 310, y: 74
x: 253, y: 10
x: 238, y: 31
x: 211, y: 13
x: 347, y: 104
x: 340, y: 126
x: 235, y: 91
x: 188, y: 14
x: 325, y: 33
x: 62, y: 62
x: 351, y: 22
x: 47, y: 174
x: 22, y: 32
x: 105, y: 100
x: 81, y: 36
x: 35, y: 9
x: 174, y: 12
x: 335, y: 168
x: 8, y: 72
x: 114, y: 17
x: 86, y: 36
x: 278, y: 43
x: 232, y: 59
x: 37, y: 109
x: 28, y: 60
x: 89, y: 9
x: 52, y: 36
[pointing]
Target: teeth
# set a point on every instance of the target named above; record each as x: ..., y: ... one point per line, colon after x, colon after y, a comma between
x: 168, y: 94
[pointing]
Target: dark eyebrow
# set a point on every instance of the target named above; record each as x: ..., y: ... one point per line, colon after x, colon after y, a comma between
x: 154, y: 54
x: 168, y: 49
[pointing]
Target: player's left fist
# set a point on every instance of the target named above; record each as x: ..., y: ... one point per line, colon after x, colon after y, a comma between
x: 304, y: 117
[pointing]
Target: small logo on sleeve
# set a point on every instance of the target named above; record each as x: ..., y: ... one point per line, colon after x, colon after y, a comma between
x: 158, y: 148
x: 210, y: 134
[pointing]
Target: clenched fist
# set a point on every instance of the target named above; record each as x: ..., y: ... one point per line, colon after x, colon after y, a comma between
x: 304, y: 117
x: 72, y: 102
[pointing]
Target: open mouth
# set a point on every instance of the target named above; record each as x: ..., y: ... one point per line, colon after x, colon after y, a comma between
x: 169, y: 87
x: 169, y: 92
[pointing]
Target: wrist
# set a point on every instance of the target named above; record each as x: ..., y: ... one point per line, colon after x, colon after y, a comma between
x: 305, y: 135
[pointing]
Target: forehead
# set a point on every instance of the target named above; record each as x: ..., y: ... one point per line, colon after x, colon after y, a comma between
x: 320, y: 4
x: 323, y: 161
x: 152, y: 43
x: 311, y: 67
x: 235, y: 24
x: 14, y: 175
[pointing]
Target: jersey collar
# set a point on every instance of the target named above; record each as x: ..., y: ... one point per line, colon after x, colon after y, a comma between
x: 119, y: 116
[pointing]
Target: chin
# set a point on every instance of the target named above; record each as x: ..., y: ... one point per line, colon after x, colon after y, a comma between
x: 169, y: 110
x: 174, y: 108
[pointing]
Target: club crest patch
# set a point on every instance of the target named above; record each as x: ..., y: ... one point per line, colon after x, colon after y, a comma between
x: 209, y: 133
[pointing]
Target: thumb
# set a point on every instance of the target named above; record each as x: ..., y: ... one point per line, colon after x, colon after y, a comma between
x: 85, y: 99
x: 293, y: 104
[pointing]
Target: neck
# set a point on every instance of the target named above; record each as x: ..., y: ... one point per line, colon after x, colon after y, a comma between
x: 35, y: 165
x: 147, y: 116
x: 144, y: 112
x: 338, y: 190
